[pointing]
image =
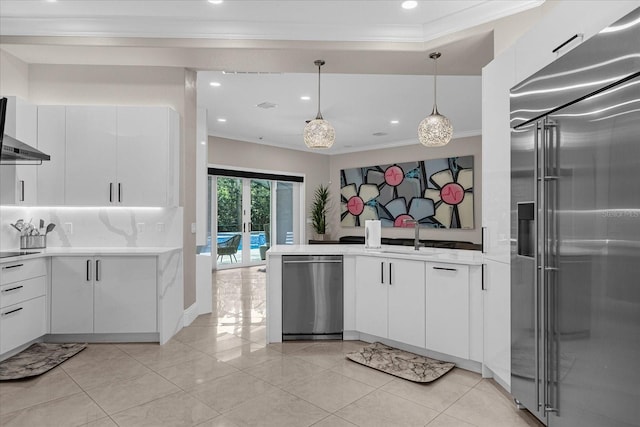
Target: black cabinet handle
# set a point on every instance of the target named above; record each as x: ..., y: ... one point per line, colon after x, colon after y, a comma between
x: 111, y: 192
x: 12, y: 266
x: 390, y: 280
x: 22, y: 190
x: 382, y: 272
x: 482, y: 281
x: 444, y: 268
x: 97, y: 270
x: 12, y: 311
x: 119, y: 192
x: 13, y: 289
x: 88, y: 270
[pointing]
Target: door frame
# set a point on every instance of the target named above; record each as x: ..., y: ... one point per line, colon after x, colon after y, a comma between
x: 300, y: 227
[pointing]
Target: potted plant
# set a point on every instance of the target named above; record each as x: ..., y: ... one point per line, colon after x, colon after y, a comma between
x: 319, y: 211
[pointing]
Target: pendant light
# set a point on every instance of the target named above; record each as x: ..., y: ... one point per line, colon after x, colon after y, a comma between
x: 435, y: 130
x: 319, y: 133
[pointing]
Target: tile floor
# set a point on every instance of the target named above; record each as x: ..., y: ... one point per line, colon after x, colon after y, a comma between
x: 219, y: 372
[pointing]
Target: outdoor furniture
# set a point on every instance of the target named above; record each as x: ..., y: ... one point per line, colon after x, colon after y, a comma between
x: 229, y: 247
x: 267, y: 241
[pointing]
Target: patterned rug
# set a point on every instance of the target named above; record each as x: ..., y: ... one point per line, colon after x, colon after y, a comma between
x: 37, y: 359
x: 401, y: 363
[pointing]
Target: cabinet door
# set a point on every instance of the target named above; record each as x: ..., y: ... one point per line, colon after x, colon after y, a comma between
x: 125, y: 294
x: 143, y: 163
x: 22, y: 322
x: 371, y: 296
x: 406, y: 301
x: 90, y: 176
x: 71, y: 295
x: 51, y: 140
x: 448, y: 309
x: 497, y: 79
x: 497, y: 319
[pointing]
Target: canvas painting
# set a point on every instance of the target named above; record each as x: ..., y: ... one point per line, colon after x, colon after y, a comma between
x: 438, y: 193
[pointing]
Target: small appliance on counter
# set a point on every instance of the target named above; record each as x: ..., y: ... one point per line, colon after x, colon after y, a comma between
x: 372, y: 234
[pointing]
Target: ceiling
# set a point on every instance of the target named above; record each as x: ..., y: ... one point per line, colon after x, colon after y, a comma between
x: 377, y: 66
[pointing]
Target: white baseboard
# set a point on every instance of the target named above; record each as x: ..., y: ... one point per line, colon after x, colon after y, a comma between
x: 190, y: 314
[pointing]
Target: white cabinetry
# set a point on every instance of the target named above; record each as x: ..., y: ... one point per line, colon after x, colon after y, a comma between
x: 497, y: 320
x: 121, y: 156
x: 19, y: 181
x: 371, y: 297
x: 146, y: 137
x: 51, y: 140
x: 447, y: 302
x: 566, y: 19
x: 390, y: 299
x: 109, y: 294
x: 23, y: 310
x: 90, y: 174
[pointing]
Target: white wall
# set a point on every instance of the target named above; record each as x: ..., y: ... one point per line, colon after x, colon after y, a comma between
x: 456, y: 148
x: 14, y: 76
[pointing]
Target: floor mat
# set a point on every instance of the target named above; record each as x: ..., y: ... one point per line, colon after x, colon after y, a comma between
x: 37, y: 359
x: 401, y: 363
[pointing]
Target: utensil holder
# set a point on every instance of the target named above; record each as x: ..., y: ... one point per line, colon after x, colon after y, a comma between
x: 33, y: 242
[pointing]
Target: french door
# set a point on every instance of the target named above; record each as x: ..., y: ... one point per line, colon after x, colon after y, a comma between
x: 248, y: 215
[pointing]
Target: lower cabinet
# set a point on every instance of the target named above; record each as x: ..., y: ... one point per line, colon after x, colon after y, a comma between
x: 23, y: 288
x: 390, y: 299
x: 447, y: 301
x: 110, y: 294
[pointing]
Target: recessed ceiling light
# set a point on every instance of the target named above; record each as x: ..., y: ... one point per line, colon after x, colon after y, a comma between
x: 221, y: 120
x: 215, y: 1
x: 305, y: 98
x: 409, y: 4
x: 214, y: 84
x: 394, y: 122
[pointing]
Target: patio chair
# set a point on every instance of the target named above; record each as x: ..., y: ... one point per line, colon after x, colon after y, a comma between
x: 229, y: 247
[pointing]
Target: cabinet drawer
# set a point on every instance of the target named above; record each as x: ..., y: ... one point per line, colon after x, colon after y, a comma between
x: 21, y: 323
x: 16, y: 292
x: 20, y: 270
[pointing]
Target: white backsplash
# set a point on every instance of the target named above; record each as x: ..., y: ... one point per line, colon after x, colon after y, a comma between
x: 97, y: 226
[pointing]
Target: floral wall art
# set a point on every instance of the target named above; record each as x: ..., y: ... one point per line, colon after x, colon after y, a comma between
x: 438, y: 193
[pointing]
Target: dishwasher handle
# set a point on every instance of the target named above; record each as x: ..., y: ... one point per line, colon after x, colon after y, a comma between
x: 316, y: 261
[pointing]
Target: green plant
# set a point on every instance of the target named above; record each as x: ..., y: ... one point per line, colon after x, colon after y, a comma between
x: 319, y: 209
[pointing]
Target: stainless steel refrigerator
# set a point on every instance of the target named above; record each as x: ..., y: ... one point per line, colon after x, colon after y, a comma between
x: 575, y: 234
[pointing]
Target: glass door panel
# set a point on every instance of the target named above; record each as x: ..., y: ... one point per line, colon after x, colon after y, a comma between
x: 260, y: 219
x: 230, y: 224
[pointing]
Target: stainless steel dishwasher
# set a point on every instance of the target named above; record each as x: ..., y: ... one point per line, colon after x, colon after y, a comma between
x: 312, y: 297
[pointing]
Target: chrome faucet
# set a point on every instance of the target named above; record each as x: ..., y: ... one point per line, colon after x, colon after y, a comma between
x: 416, y: 225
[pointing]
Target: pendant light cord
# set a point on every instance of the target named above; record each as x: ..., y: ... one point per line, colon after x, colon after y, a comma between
x: 435, y: 87
x: 319, y: 116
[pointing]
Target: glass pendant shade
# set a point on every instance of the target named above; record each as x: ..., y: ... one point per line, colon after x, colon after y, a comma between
x: 435, y: 130
x: 318, y: 133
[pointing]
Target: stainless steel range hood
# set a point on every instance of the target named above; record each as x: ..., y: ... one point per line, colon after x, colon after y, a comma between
x: 14, y: 151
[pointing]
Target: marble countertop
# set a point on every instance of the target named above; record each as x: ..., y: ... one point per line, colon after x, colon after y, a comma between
x: 90, y: 251
x: 453, y: 256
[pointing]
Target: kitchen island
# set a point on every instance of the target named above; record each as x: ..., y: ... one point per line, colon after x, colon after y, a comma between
x: 427, y: 301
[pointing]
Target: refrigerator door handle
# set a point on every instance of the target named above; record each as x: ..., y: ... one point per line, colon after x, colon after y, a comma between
x: 537, y: 262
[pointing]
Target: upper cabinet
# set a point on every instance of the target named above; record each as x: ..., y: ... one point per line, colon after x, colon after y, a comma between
x: 19, y: 181
x: 569, y: 22
x: 109, y: 156
x: 91, y: 146
x: 144, y: 172
x: 51, y: 140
